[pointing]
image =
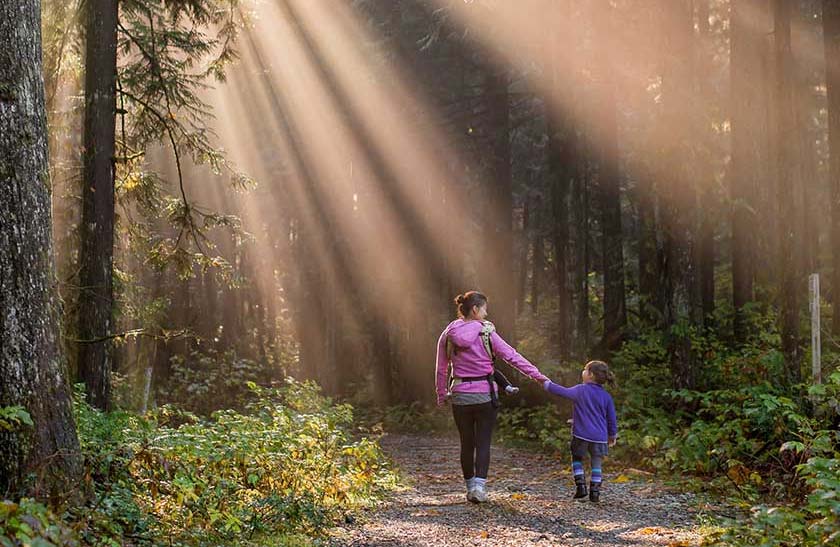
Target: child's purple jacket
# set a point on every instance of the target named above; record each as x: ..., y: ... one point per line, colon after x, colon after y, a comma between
x: 470, y: 358
x: 593, y: 416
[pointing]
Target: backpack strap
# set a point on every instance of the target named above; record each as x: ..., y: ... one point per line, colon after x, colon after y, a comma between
x: 488, y: 328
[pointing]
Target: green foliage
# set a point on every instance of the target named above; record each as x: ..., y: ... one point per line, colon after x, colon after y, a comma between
x: 11, y: 417
x: 814, y: 523
x: 173, y: 51
x: 544, y: 425
x: 204, y: 382
x: 284, y: 469
x: 30, y: 524
x: 413, y: 417
x: 745, y: 435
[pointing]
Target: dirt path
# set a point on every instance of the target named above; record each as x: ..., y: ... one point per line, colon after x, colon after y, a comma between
x: 530, y: 504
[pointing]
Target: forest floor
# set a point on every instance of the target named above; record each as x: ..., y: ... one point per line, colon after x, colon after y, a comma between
x: 530, y: 504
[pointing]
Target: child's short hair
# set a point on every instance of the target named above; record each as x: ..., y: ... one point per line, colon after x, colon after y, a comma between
x: 600, y: 372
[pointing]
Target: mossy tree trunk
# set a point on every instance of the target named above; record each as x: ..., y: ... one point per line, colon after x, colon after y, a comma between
x: 31, y: 364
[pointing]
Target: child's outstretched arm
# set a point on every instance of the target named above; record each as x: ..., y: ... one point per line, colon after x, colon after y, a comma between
x: 612, y: 426
x: 557, y: 389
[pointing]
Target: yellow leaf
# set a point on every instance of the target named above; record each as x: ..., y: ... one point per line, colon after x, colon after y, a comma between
x: 622, y: 478
x: 485, y: 535
x: 649, y: 530
x: 738, y: 473
x: 517, y: 496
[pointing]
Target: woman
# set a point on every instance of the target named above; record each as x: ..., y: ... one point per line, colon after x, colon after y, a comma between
x: 473, y: 391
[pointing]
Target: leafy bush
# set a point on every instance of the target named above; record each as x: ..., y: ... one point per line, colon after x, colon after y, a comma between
x: 29, y: 523
x: 204, y: 382
x: 544, y: 425
x: 12, y: 417
x: 285, y: 468
x: 815, y: 523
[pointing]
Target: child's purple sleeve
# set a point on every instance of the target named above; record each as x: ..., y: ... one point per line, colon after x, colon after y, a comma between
x: 506, y: 352
x: 557, y: 389
x: 612, y: 426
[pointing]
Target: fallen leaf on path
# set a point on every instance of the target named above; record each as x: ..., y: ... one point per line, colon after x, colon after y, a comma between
x: 634, y: 471
x: 622, y: 478
x: 649, y: 531
x: 518, y: 496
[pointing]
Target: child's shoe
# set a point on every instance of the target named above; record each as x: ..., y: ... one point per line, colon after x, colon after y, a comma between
x: 580, y: 489
x: 595, y: 492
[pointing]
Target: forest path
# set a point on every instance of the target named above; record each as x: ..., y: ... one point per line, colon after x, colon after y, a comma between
x: 530, y: 504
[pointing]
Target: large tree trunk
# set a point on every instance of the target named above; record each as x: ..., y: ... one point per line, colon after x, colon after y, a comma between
x: 31, y: 364
x: 609, y: 185
x: 539, y: 261
x: 524, y: 251
x: 682, y: 306
x: 97, y: 226
x: 705, y: 251
x: 581, y: 211
x: 650, y: 307
x: 745, y: 113
x: 561, y: 165
x: 498, y: 270
x: 786, y: 168
x: 831, y: 35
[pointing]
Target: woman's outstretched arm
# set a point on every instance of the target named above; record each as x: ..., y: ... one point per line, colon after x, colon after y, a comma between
x: 505, y: 351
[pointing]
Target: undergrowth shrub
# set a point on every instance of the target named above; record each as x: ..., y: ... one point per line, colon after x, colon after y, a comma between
x: 205, y: 381
x: 279, y: 473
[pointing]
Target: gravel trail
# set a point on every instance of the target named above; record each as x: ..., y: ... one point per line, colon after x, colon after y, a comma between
x: 530, y: 504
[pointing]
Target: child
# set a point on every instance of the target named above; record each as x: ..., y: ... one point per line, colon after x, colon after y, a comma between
x: 593, y: 424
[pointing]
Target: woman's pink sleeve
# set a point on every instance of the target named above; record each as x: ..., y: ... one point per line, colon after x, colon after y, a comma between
x: 506, y: 352
x: 441, y: 368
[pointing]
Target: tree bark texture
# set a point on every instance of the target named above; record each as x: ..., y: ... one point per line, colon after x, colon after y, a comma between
x: 706, y: 251
x: 786, y: 183
x: 31, y: 364
x: 678, y: 193
x: 609, y: 186
x: 831, y: 35
x: 561, y: 166
x: 498, y: 236
x: 96, y: 259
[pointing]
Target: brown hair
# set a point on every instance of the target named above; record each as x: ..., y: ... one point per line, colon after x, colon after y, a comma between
x: 600, y: 372
x: 466, y: 301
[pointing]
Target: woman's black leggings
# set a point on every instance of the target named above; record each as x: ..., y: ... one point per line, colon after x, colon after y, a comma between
x: 475, y: 425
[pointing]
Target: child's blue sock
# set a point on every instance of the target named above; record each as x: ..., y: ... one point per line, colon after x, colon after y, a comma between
x: 577, y: 471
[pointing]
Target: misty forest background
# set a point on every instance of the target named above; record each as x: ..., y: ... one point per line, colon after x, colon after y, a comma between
x: 250, y: 199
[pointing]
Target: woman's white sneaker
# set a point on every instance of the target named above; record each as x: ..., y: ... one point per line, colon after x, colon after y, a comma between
x: 479, y: 494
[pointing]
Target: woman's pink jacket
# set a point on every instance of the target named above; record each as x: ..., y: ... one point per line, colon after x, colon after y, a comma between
x: 469, y: 358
